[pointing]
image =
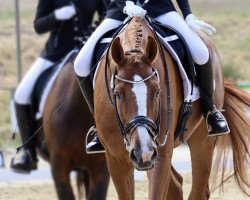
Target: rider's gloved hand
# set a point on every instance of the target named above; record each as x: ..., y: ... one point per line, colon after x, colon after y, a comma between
x: 196, y: 24
x: 133, y: 10
x: 65, y: 13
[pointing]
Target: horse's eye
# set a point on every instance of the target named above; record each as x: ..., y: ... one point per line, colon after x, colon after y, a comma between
x: 117, y: 95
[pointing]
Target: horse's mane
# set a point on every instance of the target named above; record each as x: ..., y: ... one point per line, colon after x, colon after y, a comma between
x: 134, y: 34
x: 136, y: 39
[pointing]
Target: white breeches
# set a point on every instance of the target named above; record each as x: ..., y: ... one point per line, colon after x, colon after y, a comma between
x: 25, y: 88
x: 83, y: 60
x: 196, y: 46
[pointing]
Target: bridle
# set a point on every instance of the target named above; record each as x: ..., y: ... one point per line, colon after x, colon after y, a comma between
x: 152, y: 127
x: 144, y: 121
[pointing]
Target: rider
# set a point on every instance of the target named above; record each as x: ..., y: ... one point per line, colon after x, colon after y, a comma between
x: 164, y: 12
x: 67, y: 21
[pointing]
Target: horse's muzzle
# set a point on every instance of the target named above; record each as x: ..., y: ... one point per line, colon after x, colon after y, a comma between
x: 143, y: 160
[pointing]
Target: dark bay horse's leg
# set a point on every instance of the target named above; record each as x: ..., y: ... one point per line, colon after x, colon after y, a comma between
x: 201, y: 149
x: 82, y: 180
x: 122, y: 175
x: 175, y: 186
x: 61, y: 176
x: 98, y: 179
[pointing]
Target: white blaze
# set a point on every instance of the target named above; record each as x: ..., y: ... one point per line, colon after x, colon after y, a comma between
x: 140, y: 91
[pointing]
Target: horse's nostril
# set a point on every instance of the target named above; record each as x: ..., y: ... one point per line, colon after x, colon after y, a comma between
x: 135, y: 155
x: 154, y: 154
x: 132, y: 156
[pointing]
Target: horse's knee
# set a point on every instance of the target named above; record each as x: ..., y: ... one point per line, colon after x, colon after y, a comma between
x: 99, y: 182
x: 61, y: 178
x: 175, y: 186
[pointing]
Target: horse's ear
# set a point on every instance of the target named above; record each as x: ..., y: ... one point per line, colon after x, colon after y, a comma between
x: 117, y: 51
x: 151, y: 50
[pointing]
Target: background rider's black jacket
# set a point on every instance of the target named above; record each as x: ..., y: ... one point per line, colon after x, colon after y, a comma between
x: 154, y: 8
x: 65, y: 35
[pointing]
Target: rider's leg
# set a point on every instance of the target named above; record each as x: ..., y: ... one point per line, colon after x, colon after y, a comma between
x: 83, y: 60
x: 25, y: 88
x: 215, y: 120
x: 216, y: 123
x: 196, y: 46
x: 82, y: 66
x: 26, y: 160
x: 87, y: 90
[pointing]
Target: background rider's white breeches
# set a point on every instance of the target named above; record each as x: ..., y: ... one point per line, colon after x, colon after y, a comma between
x: 196, y: 46
x: 25, y: 88
x: 83, y: 60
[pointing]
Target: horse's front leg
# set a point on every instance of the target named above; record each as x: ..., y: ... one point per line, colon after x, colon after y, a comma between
x: 122, y: 175
x: 159, y: 177
x: 175, y: 191
x: 201, y: 149
x: 61, y: 175
x: 98, y: 180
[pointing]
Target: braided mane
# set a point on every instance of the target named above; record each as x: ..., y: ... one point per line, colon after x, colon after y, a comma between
x: 134, y: 35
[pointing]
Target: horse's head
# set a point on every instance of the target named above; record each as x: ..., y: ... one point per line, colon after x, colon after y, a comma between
x: 136, y: 88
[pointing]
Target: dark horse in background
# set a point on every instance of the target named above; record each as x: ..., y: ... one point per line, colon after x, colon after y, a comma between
x: 61, y: 140
x: 132, y: 77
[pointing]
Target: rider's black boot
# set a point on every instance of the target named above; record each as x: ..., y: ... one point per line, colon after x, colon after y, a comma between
x: 87, y: 90
x: 26, y: 158
x: 216, y: 122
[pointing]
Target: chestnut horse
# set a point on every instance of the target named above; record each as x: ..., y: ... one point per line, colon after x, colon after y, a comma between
x: 132, y: 114
x: 67, y: 119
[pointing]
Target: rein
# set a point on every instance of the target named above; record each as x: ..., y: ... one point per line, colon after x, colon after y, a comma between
x: 167, y: 83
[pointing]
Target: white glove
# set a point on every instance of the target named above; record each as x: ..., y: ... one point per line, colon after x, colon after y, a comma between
x: 133, y: 10
x: 196, y: 24
x: 65, y: 13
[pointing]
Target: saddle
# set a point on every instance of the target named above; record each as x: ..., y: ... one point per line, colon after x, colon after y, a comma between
x: 169, y: 35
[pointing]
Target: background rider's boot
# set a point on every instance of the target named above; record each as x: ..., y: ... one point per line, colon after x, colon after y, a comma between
x: 216, y: 122
x: 26, y: 158
x: 87, y: 90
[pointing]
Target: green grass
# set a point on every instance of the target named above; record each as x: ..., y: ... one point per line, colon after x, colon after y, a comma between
x: 10, y: 15
x: 231, y: 72
x: 5, y: 15
x: 244, y: 43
